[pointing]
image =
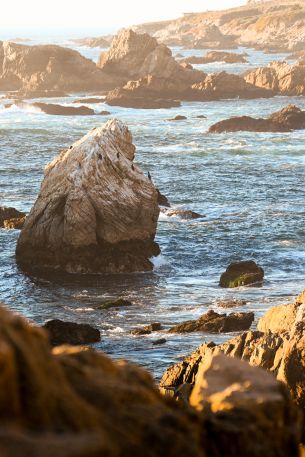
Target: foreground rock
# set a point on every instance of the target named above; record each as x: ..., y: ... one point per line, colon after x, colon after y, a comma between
x: 11, y: 218
x: 241, y: 274
x: 230, y: 392
x: 287, y: 119
x: 96, y: 211
x: 282, y: 352
x: 55, y: 109
x: 216, y: 56
x: 48, y: 67
x: 213, y: 322
x: 280, y: 77
x: 78, y: 391
x: 62, y: 332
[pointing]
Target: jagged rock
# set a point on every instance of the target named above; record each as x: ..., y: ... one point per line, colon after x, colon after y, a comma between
x: 75, y: 402
x: 11, y: 218
x: 230, y: 392
x: 285, y: 120
x: 182, y: 213
x: 62, y: 332
x: 216, y: 56
x: 49, y: 67
x: 179, y: 117
x: 213, y: 322
x: 279, y: 77
x: 241, y: 274
x: 96, y: 211
x: 133, y: 56
x: 55, y: 109
x: 278, y: 319
x: 148, y: 329
x: 120, y: 302
x: 162, y: 199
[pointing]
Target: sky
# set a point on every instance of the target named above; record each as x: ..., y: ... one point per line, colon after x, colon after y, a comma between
x: 96, y: 16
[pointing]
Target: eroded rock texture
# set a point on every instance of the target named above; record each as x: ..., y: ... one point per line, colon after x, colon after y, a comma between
x: 96, y: 211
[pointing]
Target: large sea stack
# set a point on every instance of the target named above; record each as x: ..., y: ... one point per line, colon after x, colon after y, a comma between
x: 96, y: 211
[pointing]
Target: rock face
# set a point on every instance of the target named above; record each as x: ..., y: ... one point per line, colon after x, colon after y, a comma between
x: 280, y: 77
x: 241, y: 274
x: 216, y: 56
x: 281, y: 353
x: 61, y: 332
x: 11, y: 218
x: 285, y: 120
x: 84, y: 404
x: 96, y: 211
x: 48, y: 67
x: 216, y: 323
x: 229, y: 391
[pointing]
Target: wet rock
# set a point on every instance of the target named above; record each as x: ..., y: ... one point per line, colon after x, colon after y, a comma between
x: 54, y: 109
x: 201, y: 116
x: 89, y: 100
x: 213, y: 322
x: 182, y: 213
x: 285, y: 120
x: 104, y: 113
x: 162, y: 199
x: 241, y: 274
x: 120, y: 302
x: 60, y: 403
x: 11, y: 217
x: 231, y: 303
x: 216, y: 56
x: 148, y: 329
x: 49, y: 67
x: 101, y: 213
x: 158, y: 342
x: 179, y: 117
x: 62, y: 332
x: 229, y: 392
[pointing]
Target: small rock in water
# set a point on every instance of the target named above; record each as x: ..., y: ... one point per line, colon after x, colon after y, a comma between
x: 160, y: 341
x: 231, y: 303
x: 182, y: 213
x: 104, y: 113
x: 154, y: 327
x: 178, y: 118
x: 11, y: 218
x: 201, y: 116
x: 120, y: 302
x: 241, y: 274
x: 61, y: 332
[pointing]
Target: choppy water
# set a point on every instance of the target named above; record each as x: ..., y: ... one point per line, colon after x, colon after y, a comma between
x: 248, y: 186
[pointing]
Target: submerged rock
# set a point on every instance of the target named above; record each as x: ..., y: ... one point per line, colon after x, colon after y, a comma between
x: 11, y: 218
x: 242, y: 274
x: 285, y: 120
x: 55, y: 109
x: 213, y: 322
x: 182, y: 213
x: 120, y: 302
x: 62, y: 332
x: 96, y: 211
x: 179, y: 117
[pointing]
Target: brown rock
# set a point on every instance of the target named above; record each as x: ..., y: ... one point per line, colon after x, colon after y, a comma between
x: 16, y: 223
x: 285, y: 120
x: 158, y: 342
x: 278, y: 319
x: 241, y: 274
x: 10, y: 217
x: 213, y: 322
x: 115, y: 304
x: 179, y: 117
x: 148, y: 329
x: 101, y: 212
x: 216, y: 56
x: 182, y: 213
x: 54, y: 109
x: 62, y: 332
x: 162, y: 199
x: 231, y: 303
x: 89, y: 100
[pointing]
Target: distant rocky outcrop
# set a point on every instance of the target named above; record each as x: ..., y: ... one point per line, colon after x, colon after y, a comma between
x: 278, y: 346
x: 11, y: 218
x: 96, y: 211
x: 48, y: 68
x: 241, y: 274
x: 213, y: 322
x: 287, y: 119
x: 87, y: 405
x: 92, y: 42
x: 280, y: 77
x: 216, y: 56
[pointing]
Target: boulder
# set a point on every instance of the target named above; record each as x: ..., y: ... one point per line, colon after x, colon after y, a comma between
x: 213, y: 322
x: 63, y: 332
x: 287, y: 119
x: 75, y: 402
x: 49, y: 67
x: 11, y: 217
x: 241, y: 274
x: 216, y: 56
x: 96, y: 211
x: 230, y: 392
x: 120, y: 302
x: 280, y: 77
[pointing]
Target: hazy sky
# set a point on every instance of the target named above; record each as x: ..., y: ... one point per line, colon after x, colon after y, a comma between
x: 94, y: 15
